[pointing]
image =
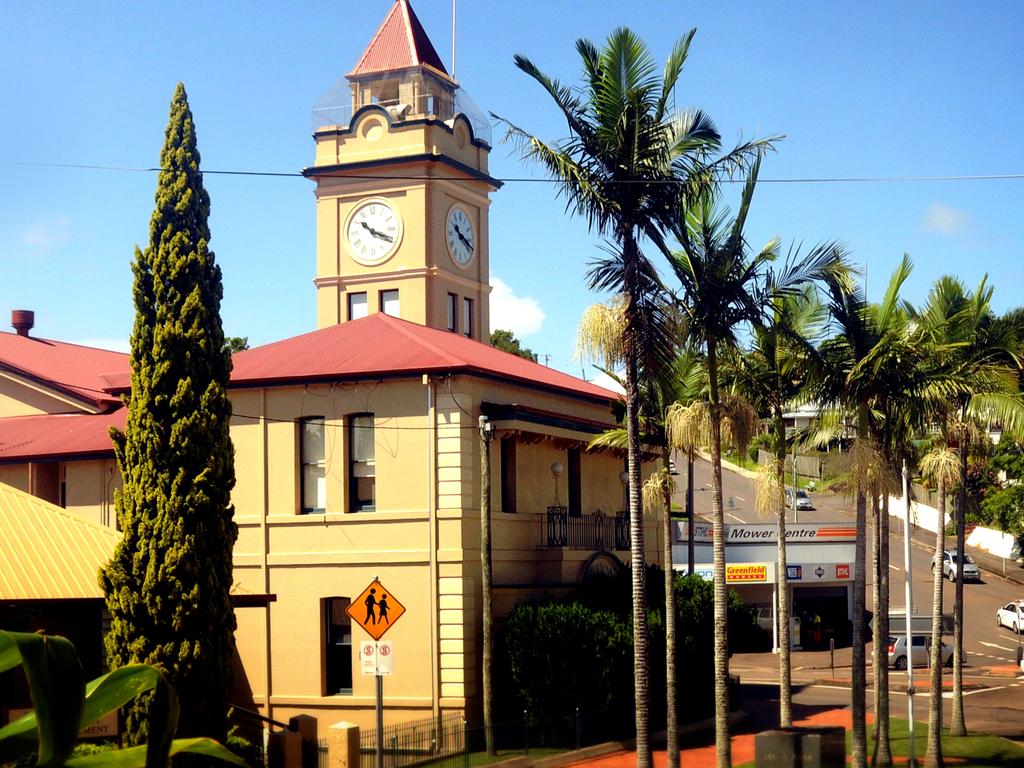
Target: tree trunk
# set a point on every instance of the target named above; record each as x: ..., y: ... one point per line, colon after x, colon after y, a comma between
x: 671, y: 716
x: 781, y: 580
x: 933, y: 755
x: 723, y: 747
x: 637, y: 567
x: 486, y: 581
x: 858, y: 683
x: 958, y: 727
x: 689, y: 508
x: 883, y: 751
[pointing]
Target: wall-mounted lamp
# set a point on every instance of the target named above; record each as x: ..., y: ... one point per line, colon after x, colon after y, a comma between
x: 556, y: 472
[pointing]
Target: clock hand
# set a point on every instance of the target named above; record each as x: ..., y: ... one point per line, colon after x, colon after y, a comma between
x: 375, y: 233
x: 462, y: 237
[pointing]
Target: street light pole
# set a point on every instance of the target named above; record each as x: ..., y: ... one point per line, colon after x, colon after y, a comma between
x: 908, y: 614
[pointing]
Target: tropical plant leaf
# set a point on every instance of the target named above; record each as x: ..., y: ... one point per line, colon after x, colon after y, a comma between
x: 163, y: 722
x: 135, y: 757
x: 57, y: 685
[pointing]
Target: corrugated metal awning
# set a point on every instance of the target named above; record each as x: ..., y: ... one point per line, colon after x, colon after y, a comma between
x: 47, y: 552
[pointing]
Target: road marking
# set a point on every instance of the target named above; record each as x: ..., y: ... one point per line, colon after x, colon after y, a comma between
x: 895, y: 568
x: 740, y: 498
x: 737, y: 519
x: 993, y: 645
x: 949, y: 694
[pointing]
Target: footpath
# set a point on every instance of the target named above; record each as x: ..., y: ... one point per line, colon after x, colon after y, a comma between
x: 703, y: 756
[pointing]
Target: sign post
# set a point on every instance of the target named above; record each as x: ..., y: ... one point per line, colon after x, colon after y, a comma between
x: 909, y: 612
x: 376, y: 610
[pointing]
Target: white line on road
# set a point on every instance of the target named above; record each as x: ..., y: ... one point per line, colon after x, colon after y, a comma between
x: 737, y: 519
x: 949, y: 694
x: 993, y: 645
x: 895, y: 568
x: 740, y: 498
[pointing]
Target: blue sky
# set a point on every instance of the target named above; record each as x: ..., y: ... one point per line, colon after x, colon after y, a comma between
x: 860, y: 89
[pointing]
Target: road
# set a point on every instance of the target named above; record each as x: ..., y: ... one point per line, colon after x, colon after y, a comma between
x: 990, y: 651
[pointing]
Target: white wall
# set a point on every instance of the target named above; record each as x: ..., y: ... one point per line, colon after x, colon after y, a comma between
x: 924, y: 516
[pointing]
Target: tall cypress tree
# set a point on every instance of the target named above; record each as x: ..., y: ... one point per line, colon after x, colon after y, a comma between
x: 167, y: 584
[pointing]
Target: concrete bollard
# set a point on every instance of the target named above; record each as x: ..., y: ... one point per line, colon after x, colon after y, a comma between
x: 343, y: 745
x: 822, y: 747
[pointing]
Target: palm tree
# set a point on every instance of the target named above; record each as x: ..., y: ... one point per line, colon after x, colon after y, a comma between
x: 624, y: 145
x: 983, y: 355
x: 600, y: 336
x: 770, y: 374
x: 849, y: 370
x: 725, y: 288
x: 941, y: 466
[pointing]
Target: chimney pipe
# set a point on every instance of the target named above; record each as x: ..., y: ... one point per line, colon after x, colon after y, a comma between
x: 23, y: 320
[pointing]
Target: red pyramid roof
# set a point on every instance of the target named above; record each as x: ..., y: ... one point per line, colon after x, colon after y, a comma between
x: 381, y: 345
x: 400, y: 43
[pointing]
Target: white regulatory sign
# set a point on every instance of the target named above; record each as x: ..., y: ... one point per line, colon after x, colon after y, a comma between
x: 385, y: 658
x: 368, y: 657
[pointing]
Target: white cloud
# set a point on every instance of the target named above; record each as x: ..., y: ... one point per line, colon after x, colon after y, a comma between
x: 602, y: 379
x: 945, y: 219
x: 115, y: 345
x: 44, y: 237
x: 520, y: 314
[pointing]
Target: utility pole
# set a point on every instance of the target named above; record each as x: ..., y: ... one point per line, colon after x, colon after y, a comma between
x: 486, y: 585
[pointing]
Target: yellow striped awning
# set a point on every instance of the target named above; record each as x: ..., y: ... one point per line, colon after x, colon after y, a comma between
x: 47, y: 552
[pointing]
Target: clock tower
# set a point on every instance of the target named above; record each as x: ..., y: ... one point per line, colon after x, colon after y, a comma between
x: 402, y: 189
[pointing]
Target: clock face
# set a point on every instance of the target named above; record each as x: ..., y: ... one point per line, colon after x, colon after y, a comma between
x: 374, y: 231
x: 459, y: 231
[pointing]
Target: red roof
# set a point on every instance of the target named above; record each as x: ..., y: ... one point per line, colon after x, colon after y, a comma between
x: 380, y: 345
x: 49, y: 435
x: 83, y: 373
x: 400, y: 43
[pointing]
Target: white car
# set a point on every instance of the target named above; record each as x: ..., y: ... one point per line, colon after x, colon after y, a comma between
x: 1011, y: 616
x: 971, y: 570
x: 921, y: 653
x: 803, y: 501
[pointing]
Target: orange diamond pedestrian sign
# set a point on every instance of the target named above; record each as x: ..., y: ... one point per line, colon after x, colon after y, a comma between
x: 376, y: 610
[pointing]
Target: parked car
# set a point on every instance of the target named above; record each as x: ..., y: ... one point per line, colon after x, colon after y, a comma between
x: 803, y: 501
x: 920, y: 645
x: 971, y: 570
x: 1011, y: 616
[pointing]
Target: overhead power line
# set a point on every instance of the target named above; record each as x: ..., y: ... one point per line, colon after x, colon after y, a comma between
x: 724, y: 179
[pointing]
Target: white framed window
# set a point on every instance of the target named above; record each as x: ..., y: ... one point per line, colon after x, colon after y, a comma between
x: 467, y: 317
x: 362, y: 470
x: 312, y: 458
x: 453, y: 312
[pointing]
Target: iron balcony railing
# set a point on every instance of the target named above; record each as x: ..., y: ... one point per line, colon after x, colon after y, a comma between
x: 595, y: 531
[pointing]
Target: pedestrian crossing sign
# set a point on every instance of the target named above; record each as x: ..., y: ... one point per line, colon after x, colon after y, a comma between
x: 376, y: 610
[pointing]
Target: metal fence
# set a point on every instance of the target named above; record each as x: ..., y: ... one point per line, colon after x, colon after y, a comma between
x: 594, y: 532
x: 415, y: 743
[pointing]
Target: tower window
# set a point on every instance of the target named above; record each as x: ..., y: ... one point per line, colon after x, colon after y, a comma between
x: 313, y: 463
x: 357, y: 306
x: 389, y: 303
x: 467, y: 317
x: 453, y: 304
x: 362, y: 475
x: 337, y: 638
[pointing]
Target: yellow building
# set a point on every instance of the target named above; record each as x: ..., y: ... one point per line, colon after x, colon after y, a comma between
x: 357, y: 446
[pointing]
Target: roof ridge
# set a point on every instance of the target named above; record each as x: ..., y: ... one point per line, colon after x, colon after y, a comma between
x: 410, y: 333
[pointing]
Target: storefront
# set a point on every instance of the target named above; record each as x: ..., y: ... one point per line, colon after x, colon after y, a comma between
x: 819, y: 574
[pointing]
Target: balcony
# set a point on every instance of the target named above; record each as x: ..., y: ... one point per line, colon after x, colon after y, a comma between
x: 593, y: 532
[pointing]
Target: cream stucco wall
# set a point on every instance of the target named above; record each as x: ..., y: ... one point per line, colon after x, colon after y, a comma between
x: 422, y: 542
